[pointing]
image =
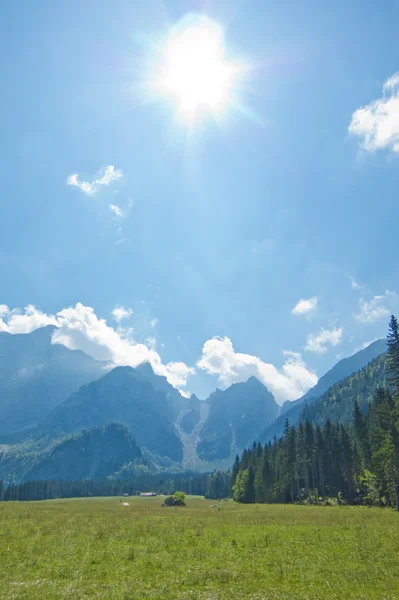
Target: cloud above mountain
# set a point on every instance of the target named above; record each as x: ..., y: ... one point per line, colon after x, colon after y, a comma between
x: 24, y: 321
x: 377, y: 308
x: 80, y: 328
x: 288, y: 383
x: 319, y: 342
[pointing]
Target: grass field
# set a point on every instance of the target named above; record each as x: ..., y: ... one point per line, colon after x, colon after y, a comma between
x: 98, y: 548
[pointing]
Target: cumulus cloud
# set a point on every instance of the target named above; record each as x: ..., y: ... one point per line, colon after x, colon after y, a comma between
x: 377, y: 123
x: 4, y: 310
x: 119, y: 313
x: 79, y: 328
x: 23, y: 321
x: 104, y: 178
x: 288, y: 383
x: 305, y: 307
x: 379, y: 307
x: 319, y: 342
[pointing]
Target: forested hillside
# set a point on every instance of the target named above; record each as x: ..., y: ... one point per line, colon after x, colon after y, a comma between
x: 126, y: 396
x: 337, y: 403
x: 93, y: 453
x: 356, y: 463
x: 344, y: 368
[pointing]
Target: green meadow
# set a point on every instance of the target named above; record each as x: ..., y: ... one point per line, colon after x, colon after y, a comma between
x: 98, y: 548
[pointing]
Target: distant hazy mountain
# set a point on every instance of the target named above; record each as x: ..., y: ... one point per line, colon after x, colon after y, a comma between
x: 337, y: 403
x: 126, y: 396
x: 177, y: 403
x: 344, y: 368
x: 192, y: 415
x: 36, y: 376
x: 93, y: 453
x: 236, y: 417
x: 47, y: 390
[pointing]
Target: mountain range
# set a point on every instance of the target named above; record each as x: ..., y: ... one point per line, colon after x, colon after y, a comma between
x: 61, y: 410
x: 36, y: 376
x: 342, y: 369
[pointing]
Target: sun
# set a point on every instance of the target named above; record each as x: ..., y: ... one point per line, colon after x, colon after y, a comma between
x: 194, y: 71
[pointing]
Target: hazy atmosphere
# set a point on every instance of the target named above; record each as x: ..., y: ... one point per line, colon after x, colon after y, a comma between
x: 235, y: 222
x: 199, y: 342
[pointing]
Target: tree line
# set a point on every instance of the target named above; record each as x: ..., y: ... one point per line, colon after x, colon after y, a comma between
x: 358, y: 463
x: 214, y: 485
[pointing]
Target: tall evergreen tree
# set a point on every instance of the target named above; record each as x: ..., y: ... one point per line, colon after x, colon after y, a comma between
x: 249, y: 493
x: 392, y: 363
x: 235, y: 470
x: 393, y: 380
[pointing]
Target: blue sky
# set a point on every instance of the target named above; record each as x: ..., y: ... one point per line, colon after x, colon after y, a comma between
x: 219, y: 231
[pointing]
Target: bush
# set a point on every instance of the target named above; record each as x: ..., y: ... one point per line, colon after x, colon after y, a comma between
x: 176, y: 500
x: 180, y: 496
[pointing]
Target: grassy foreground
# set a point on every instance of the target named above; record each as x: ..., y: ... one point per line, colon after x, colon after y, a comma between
x: 98, y: 548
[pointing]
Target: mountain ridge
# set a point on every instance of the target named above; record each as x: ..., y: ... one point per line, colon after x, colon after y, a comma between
x: 125, y: 396
x: 93, y: 453
x: 172, y: 428
x: 233, y: 415
x: 36, y: 375
x: 339, y: 371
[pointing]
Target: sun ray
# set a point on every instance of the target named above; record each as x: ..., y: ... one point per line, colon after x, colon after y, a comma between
x: 193, y: 71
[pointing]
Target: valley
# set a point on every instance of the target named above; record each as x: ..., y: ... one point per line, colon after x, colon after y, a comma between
x: 69, y: 394
x: 99, y: 548
x: 173, y: 432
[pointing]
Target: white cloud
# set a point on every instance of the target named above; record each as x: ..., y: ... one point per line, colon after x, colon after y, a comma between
x: 116, y: 211
x: 290, y: 382
x: 355, y: 285
x: 119, y: 214
x: 120, y: 313
x: 154, y: 322
x: 18, y: 321
x: 104, y: 178
x: 79, y: 328
x: 319, y: 342
x: 392, y: 83
x: 151, y: 342
x: 304, y: 307
x: 377, y: 308
x: 4, y: 310
x: 378, y: 122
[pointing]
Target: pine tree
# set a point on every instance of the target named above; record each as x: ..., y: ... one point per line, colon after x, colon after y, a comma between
x: 392, y: 362
x: 320, y: 463
x: 267, y: 476
x: 235, y: 470
x: 361, y: 435
x: 291, y: 463
x: 249, y: 492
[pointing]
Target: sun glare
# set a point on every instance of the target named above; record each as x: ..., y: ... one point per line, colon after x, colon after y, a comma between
x: 194, y: 71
